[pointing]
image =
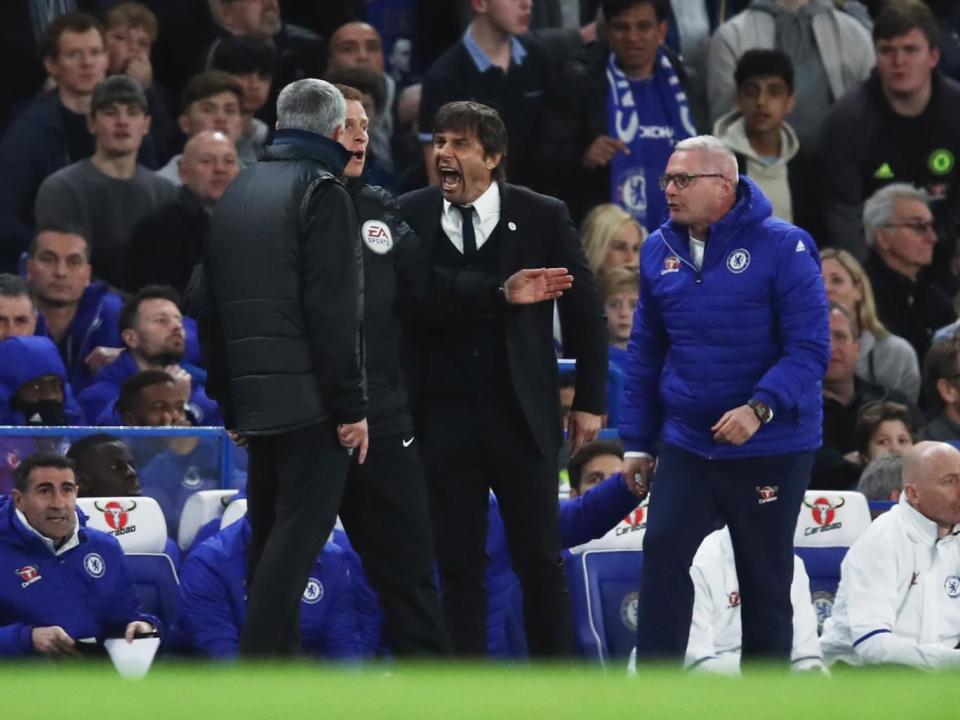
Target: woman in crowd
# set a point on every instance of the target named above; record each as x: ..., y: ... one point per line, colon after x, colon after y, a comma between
x: 611, y: 238
x: 885, y: 359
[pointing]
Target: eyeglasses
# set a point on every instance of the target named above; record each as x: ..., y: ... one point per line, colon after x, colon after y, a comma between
x: 683, y: 180
x: 920, y: 227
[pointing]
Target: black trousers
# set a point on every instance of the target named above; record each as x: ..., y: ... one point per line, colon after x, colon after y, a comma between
x: 468, y: 450
x: 294, y: 486
x: 759, y: 499
x: 384, y: 512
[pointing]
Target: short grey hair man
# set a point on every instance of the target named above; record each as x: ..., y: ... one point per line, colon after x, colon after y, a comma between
x: 12, y: 286
x: 882, y: 479
x: 879, y: 209
x: 312, y: 105
x: 715, y: 153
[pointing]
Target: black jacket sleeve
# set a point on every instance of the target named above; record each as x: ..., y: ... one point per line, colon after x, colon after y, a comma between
x: 332, y: 282
x: 201, y: 303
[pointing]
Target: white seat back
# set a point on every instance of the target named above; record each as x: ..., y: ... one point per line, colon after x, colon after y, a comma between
x: 235, y: 510
x: 201, y: 508
x: 625, y: 535
x: 831, y: 518
x: 137, y: 522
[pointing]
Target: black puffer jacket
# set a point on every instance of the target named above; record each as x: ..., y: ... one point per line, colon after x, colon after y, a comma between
x: 285, y: 271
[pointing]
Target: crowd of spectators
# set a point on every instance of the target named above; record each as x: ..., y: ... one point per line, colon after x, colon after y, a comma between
x: 129, y: 121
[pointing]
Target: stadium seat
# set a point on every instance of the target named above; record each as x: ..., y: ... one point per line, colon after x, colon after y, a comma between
x: 157, y: 585
x: 604, y: 586
x: 137, y: 522
x: 140, y: 528
x: 201, y: 508
x: 604, y: 576
x: 625, y: 535
x: 829, y: 523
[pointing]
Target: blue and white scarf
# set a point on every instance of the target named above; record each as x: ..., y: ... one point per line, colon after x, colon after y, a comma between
x: 633, y: 177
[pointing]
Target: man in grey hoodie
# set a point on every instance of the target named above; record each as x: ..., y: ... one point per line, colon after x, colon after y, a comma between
x: 766, y: 146
x: 831, y: 52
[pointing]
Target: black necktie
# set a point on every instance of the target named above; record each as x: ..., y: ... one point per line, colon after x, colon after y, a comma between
x: 466, y: 230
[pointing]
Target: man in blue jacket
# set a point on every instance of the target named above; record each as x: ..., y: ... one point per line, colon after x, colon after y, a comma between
x: 80, y: 316
x: 730, y: 342
x: 60, y: 582
x: 213, y: 600
x: 154, y: 336
x: 33, y: 384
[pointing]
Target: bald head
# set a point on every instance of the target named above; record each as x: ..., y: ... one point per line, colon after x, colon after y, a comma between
x: 931, y: 482
x: 209, y: 165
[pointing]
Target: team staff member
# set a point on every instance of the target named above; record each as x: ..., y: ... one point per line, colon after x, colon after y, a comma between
x: 284, y: 279
x: 384, y: 508
x: 489, y: 403
x: 729, y: 344
x: 60, y: 581
x: 899, y: 595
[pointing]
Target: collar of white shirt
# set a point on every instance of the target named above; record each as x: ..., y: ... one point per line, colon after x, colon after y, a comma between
x: 485, y: 217
x: 69, y: 544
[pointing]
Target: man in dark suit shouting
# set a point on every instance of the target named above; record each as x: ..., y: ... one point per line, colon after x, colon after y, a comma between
x: 488, y: 403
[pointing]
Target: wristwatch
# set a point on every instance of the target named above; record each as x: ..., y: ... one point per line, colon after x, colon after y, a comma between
x: 763, y: 411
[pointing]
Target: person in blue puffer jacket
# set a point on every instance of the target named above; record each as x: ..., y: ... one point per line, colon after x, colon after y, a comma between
x: 60, y: 582
x: 213, y: 600
x: 33, y: 384
x: 729, y: 345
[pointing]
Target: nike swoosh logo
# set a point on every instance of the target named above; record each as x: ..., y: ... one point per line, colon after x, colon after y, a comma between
x: 408, y: 443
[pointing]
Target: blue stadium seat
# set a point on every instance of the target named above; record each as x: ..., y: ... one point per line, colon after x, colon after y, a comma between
x: 604, y: 586
x: 157, y: 585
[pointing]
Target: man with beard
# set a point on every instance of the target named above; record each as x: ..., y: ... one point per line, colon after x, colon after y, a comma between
x: 76, y: 314
x: 151, y: 329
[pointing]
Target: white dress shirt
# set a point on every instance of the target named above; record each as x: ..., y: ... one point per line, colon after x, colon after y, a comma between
x: 486, y: 215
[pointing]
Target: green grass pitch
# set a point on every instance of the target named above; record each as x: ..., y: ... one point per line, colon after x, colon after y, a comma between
x: 460, y: 692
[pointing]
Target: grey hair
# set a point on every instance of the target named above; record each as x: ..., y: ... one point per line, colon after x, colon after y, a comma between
x: 13, y: 286
x: 878, y: 209
x: 720, y: 157
x: 881, y: 477
x: 312, y: 105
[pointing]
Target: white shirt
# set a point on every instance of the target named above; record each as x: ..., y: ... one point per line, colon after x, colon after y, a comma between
x: 486, y: 215
x: 70, y: 543
x: 899, y: 595
x: 715, y: 632
x: 696, y: 251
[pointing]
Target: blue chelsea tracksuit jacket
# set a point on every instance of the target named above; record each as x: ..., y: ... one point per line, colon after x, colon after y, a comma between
x: 750, y: 324
x: 88, y: 590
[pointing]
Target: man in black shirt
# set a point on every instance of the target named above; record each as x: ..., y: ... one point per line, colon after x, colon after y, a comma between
x: 901, y: 236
